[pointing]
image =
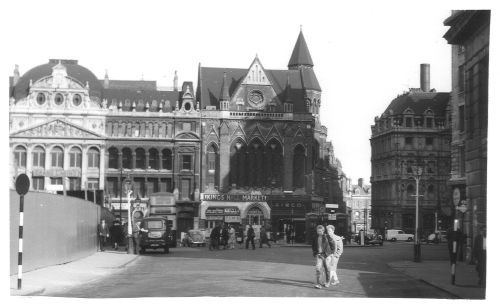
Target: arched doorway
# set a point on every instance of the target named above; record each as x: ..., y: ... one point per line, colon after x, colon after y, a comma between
x: 255, y: 216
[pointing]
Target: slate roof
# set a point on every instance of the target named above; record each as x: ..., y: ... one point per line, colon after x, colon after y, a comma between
x: 211, y: 80
x: 300, y: 53
x: 144, y: 95
x: 76, y: 71
x: 419, y: 102
x: 131, y: 84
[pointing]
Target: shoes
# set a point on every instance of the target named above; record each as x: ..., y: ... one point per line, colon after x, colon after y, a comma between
x: 326, y: 285
x: 336, y: 282
x: 318, y: 286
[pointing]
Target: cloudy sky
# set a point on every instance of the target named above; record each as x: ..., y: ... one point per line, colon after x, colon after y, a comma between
x: 365, y: 53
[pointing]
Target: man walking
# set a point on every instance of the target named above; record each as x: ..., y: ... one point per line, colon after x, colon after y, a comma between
x: 263, y: 237
x: 103, y: 232
x: 322, y: 252
x: 337, y: 247
x: 214, y: 238
x: 250, y: 237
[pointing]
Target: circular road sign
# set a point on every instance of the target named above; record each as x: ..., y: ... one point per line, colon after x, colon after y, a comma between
x: 22, y: 184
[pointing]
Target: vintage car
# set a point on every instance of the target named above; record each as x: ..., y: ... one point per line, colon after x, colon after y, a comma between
x: 157, y: 235
x: 197, y: 237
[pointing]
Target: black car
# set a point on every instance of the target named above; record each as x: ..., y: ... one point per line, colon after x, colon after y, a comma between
x: 375, y: 240
x: 157, y: 235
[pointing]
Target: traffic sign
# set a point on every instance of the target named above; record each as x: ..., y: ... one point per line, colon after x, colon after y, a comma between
x: 22, y: 184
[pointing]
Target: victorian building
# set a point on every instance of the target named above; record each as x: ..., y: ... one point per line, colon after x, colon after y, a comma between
x: 359, y: 204
x: 469, y: 36
x: 57, y: 127
x: 266, y: 161
x: 411, y: 140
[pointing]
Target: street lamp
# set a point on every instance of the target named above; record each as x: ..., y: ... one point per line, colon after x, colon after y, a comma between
x: 130, y: 246
x: 417, y: 172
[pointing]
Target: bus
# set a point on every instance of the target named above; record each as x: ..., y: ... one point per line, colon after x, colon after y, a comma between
x: 162, y: 204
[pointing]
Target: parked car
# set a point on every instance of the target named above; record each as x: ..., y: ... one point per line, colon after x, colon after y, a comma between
x: 197, y: 237
x: 158, y: 234
x: 398, y: 235
x: 375, y: 240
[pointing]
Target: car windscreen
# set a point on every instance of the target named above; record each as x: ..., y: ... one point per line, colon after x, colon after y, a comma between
x: 154, y: 224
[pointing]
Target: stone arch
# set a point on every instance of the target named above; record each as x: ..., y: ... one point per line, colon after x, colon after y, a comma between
x: 263, y: 206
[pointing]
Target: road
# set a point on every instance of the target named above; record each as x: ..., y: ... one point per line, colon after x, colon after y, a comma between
x: 264, y: 272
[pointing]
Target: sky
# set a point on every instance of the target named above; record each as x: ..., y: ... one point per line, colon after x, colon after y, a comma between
x: 365, y: 53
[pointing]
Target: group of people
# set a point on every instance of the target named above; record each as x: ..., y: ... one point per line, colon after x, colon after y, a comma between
x: 115, y: 234
x: 227, y: 237
x: 327, y: 249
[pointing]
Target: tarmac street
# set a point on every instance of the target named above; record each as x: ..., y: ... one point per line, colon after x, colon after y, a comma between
x: 281, y: 271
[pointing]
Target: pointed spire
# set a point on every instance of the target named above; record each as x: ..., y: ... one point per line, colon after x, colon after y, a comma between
x: 16, y: 75
x: 224, y: 93
x: 300, y: 55
x: 106, y: 80
x: 176, y: 80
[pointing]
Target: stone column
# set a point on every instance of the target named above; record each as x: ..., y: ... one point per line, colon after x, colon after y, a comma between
x: 224, y: 162
x: 134, y: 156
x: 84, y: 167
x: 102, y: 166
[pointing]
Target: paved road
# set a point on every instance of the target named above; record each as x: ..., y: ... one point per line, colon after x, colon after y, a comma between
x: 266, y: 272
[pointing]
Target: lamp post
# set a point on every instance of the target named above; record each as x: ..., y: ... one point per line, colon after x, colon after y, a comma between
x: 130, y: 245
x: 417, y: 172
x: 121, y: 192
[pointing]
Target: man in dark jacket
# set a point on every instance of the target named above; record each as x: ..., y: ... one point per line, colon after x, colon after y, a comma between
x: 225, y: 236
x: 103, y: 232
x: 250, y: 237
x: 263, y: 237
x: 214, y: 238
x: 322, y: 251
x: 116, y: 233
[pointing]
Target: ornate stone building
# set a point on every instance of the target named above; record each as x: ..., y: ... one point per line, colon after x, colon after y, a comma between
x: 265, y: 155
x: 469, y: 34
x: 359, y: 203
x: 413, y: 132
x: 57, y: 127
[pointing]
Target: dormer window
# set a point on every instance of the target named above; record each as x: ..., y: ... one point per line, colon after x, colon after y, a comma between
x: 288, y: 107
x: 40, y: 98
x: 408, y: 122
x: 58, y: 99
x: 77, y: 99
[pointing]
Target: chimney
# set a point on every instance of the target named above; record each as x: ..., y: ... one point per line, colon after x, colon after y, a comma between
x: 106, y: 80
x: 176, y: 80
x: 360, y: 182
x: 16, y: 75
x: 425, y: 77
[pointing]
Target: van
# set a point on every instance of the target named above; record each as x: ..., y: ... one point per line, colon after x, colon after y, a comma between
x: 398, y: 235
x: 157, y: 236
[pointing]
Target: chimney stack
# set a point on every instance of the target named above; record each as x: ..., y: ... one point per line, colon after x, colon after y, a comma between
x: 16, y: 75
x: 425, y: 77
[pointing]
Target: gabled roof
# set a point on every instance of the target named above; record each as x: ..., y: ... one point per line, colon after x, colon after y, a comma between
x: 211, y: 79
x: 300, y: 55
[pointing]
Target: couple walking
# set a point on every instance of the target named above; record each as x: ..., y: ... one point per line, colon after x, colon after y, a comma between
x: 327, y: 249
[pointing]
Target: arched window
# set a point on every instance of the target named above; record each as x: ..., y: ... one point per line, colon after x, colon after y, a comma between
x: 299, y: 166
x: 20, y: 156
x: 57, y: 157
x: 166, y: 159
x: 256, y: 163
x: 113, y: 158
x: 140, y: 158
x: 38, y: 157
x: 274, y: 164
x: 75, y: 158
x: 93, y: 158
x: 153, y: 159
x: 211, y: 166
x: 127, y: 158
x: 238, y: 164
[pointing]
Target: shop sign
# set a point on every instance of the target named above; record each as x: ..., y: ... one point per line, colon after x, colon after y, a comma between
x: 215, y: 217
x: 231, y: 211
x: 214, y: 211
x: 286, y: 204
x: 234, y: 198
x: 57, y: 173
x: 232, y: 219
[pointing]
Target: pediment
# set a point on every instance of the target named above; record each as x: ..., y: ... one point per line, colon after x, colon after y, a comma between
x: 256, y: 74
x: 239, y: 132
x: 299, y: 133
x: 256, y: 132
x: 186, y: 136
x: 56, y: 128
x: 273, y: 132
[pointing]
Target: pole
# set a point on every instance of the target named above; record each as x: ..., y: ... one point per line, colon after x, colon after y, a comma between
x: 121, y: 192
x: 454, y: 252
x: 130, y: 249
x: 416, y: 249
x: 20, y: 250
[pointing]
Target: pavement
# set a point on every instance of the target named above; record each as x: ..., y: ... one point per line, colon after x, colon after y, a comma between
x: 102, y: 264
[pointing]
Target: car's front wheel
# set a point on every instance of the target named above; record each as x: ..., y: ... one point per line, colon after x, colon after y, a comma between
x: 409, y: 239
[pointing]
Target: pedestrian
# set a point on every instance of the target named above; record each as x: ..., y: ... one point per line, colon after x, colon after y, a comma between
x: 337, y: 246
x: 288, y: 234
x: 232, y: 237
x: 103, y: 231
x: 322, y: 253
x: 250, y: 237
x: 479, y: 254
x: 136, y: 236
x: 214, y: 238
x: 116, y: 233
x: 263, y: 237
x: 225, y: 236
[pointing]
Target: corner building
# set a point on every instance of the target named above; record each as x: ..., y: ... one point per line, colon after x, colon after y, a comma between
x: 413, y: 132
x: 264, y: 147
